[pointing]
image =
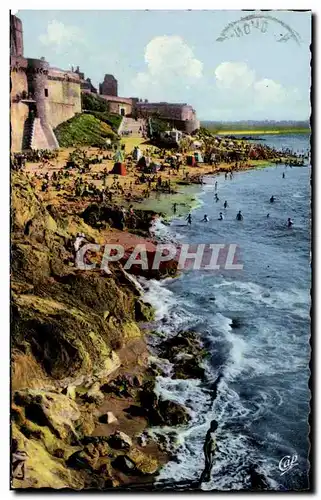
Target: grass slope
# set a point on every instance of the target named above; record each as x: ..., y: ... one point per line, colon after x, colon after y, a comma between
x: 111, y: 119
x: 99, y: 107
x: 83, y: 130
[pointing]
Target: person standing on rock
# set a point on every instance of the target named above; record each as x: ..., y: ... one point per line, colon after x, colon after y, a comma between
x: 19, y: 457
x: 209, y: 449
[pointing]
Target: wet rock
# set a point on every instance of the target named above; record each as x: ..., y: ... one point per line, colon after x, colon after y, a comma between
x: 70, y: 392
x: 144, y: 464
x: 82, y: 460
x: 103, y: 449
x: 120, y: 441
x: 168, y: 413
x: 136, y: 411
x: 173, y: 413
x: 94, y: 395
x: 49, y: 409
x: 121, y: 386
x: 124, y: 464
x: 108, y: 418
x: 142, y: 439
x: 236, y: 323
x: 88, y: 423
x: 147, y: 396
x: 186, y: 352
x: 144, y: 312
x: 59, y: 453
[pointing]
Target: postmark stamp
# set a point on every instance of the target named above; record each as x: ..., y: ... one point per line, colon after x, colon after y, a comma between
x: 258, y: 22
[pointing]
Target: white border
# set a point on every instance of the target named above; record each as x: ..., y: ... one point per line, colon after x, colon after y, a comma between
x: 314, y: 5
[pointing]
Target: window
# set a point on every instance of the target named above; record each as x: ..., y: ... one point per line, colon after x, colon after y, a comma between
x: 46, y: 92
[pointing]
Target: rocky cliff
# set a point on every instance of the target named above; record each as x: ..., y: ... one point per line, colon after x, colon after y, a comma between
x: 73, y: 334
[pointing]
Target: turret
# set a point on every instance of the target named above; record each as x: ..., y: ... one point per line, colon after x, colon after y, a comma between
x: 16, y: 37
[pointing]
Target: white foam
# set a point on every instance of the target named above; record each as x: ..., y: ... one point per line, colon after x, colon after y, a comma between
x: 161, y: 231
x: 156, y: 294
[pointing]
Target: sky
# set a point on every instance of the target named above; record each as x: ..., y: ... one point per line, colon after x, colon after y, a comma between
x: 175, y: 56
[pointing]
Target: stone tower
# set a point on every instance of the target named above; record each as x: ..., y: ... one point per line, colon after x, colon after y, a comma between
x: 16, y: 37
x: 109, y: 86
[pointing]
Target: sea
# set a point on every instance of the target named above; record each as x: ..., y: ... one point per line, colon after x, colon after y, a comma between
x: 262, y: 399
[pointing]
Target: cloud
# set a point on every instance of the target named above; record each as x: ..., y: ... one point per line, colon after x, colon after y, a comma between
x: 171, y: 66
x: 59, y: 36
x: 240, y: 86
x: 234, y: 75
x: 268, y: 91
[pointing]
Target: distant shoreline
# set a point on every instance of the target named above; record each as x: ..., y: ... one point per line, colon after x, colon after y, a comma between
x: 263, y: 132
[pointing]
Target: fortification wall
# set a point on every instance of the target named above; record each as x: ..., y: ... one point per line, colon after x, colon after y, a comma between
x: 116, y: 107
x: 64, y: 100
x: 187, y: 126
x: 182, y: 116
x: 18, y: 83
x: 19, y: 114
x: 19, y: 111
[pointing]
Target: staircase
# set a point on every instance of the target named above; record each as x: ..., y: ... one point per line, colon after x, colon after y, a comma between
x: 130, y: 124
x: 28, y: 132
x: 43, y: 136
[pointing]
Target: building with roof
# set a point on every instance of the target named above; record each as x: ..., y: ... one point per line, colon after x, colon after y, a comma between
x: 41, y: 96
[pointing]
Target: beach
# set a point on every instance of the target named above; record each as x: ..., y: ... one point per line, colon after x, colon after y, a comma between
x: 135, y: 371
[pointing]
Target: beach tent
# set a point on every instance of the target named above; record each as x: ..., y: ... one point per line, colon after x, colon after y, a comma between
x: 118, y: 156
x: 191, y: 161
x: 198, y: 157
x: 119, y: 169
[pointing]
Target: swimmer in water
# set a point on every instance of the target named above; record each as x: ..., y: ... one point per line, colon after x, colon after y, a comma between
x: 239, y: 215
x: 225, y: 204
x: 205, y: 219
x: 290, y: 222
x: 272, y: 199
x: 283, y: 175
x: 189, y: 219
x: 216, y: 198
x: 221, y: 216
x: 267, y: 215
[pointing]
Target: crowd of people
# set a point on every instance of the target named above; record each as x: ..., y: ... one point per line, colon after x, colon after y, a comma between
x: 79, y: 179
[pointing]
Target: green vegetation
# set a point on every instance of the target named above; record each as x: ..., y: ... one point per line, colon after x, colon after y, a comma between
x: 257, y: 127
x: 262, y: 131
x: 90, y: 102
x: 112, y: 120
x: 99, y: 108
x: 84, y: 130
x: 158, y: 125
